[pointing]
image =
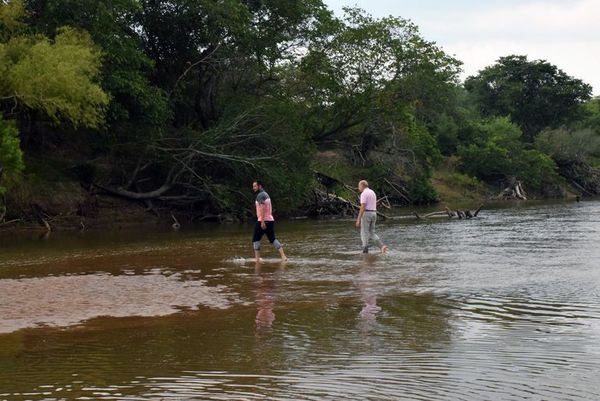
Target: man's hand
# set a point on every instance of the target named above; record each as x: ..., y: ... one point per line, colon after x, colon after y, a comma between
x: 263, y: 225
x: 357, y: 223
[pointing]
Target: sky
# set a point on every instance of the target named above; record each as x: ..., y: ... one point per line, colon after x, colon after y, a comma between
x: 565, y: 33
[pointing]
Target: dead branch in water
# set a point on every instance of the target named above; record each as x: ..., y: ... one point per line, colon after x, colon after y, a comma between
x: 327, y: 204
x: 459, y: 214
x: 514, y: 191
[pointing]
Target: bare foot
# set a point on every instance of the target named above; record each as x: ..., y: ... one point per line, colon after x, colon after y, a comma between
x: 384, y: 249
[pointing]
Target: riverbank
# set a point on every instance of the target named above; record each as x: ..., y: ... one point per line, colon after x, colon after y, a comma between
x: 70, y: 207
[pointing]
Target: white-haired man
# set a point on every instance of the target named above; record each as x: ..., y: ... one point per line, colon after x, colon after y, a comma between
x: 367, y: 216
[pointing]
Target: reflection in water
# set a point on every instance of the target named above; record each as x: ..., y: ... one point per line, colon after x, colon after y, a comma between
x: 368, y: 289
x: 266, y: 286
x: 502, y: 307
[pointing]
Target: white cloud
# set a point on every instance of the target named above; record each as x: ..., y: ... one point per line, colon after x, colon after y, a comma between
x: 573, y: 58
x: 566, y: 34
x: 538, y: 21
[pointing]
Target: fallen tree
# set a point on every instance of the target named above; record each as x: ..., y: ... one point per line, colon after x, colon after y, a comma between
x: 457, y: 213
x: 514, y: 191
x: 329, y: 204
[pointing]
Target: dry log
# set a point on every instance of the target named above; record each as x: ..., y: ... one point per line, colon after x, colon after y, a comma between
x: 6, y: 223
x: 119, y: 191
x: 398, y: 191
x: 334, y: 205
x: 460, y: 214
x: 513, y: 191
x: 208, y: 217
x: 176, y: 226
x: 46, y: 224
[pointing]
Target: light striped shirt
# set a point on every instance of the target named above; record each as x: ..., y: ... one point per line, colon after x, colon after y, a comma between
x: 264, y: 209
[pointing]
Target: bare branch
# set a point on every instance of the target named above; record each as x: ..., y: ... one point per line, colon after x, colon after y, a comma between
x: 191, y: 66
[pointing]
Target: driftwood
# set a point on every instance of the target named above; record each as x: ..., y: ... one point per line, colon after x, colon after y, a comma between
x: 402, y: 193
x: 208, y: 217
x: 46, y: 224
x: 459, y: 214
x: 328, y: 204
x: 6, y: 223
x: 513, y: 191
x: 385, y: 202
x: 176, y: 226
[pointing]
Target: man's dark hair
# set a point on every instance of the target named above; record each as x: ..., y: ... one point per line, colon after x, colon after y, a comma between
x: 259, y: 182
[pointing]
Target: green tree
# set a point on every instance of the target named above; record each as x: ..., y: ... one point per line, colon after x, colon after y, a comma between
x: 370, y: 86
x: 534, y: 94
x: 54, y: 76
x: 137, y: 108
x: 498, y: 154
x: 222, y: 65
x: 11, y: 157
x: 570, y: 146
x: 591, y: 115
x: 362, y: 68
x: 457, y: 123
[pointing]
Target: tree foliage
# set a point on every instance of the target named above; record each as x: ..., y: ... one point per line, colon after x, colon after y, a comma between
x: 185, y: 102
x: 567, y: 146
x: 137, y: 108
x: 534, y: 94
x: 591, y: 116
x: 11, y: 157
x: 55, y: 76
x: 498, y: 155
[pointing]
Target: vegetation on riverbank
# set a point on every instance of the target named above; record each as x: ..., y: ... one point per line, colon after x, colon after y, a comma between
x: 178, y: 107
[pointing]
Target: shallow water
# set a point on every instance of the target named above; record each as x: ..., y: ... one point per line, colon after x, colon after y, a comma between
x: 502, y: 307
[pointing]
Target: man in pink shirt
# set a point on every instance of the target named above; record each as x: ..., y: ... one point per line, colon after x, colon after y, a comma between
x: 367, y: 216
x: 265, y: 223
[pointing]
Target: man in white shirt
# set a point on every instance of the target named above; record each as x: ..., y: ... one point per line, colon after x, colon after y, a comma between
x: 367, y: 216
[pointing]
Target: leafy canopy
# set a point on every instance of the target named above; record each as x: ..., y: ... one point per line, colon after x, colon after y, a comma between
x: 498, y: 155
x: 11, y: 157
x: 534, y: 94
x: 55, y: 76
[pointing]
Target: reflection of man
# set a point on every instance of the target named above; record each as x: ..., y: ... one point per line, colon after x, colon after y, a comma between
x: 265, y: 223
x: 369, y: 296
x: 367, y: 216
x: 265, y: 299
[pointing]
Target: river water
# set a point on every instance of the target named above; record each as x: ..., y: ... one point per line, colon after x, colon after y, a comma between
x: 502, y: 307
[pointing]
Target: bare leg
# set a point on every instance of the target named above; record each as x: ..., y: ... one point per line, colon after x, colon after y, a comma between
x: 257, y: 256
x: 282, y: 254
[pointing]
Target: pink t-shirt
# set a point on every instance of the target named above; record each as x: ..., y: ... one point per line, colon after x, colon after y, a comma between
x: 369, y: 198
x: 264, y: 209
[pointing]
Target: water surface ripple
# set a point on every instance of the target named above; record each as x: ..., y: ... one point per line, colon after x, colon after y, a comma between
x: 502, y: 307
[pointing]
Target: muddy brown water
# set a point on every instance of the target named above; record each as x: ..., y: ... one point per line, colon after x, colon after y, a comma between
x: 502, y: 307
